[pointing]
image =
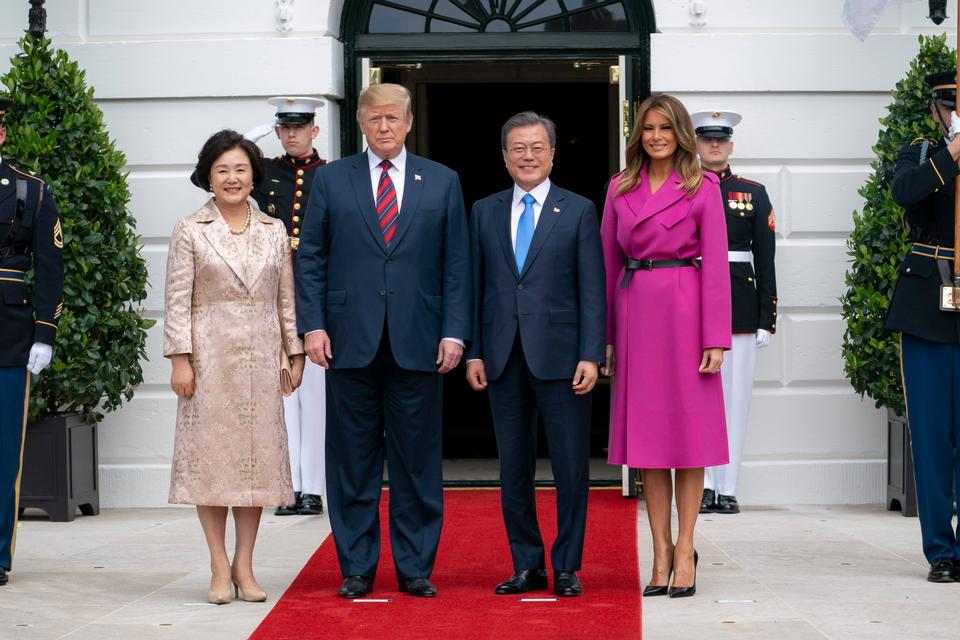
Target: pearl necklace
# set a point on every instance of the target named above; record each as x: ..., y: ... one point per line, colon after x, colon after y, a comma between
x: 246, y: 224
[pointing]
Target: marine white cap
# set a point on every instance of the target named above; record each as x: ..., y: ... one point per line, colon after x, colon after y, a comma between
x: 715, y: 124
x: 295, y: 110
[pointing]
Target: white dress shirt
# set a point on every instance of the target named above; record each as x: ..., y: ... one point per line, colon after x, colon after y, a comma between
x: 396, y: 173
x: 539, y: 193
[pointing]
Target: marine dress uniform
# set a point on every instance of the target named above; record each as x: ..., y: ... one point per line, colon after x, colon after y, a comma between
x: 751, y: 244
x: 923, y: 184
x: 283, y: 194
x: 30, y: 236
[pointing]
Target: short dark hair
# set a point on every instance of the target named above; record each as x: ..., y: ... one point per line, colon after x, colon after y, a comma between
x: 217, y: 145
x: 528, y: 119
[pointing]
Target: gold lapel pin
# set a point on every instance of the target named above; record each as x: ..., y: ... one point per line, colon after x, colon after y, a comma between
x: 4, y: 182
x: 416, y: 177
x: 556, y: 210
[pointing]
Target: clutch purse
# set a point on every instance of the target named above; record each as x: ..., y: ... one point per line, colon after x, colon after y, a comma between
x: 286, y: 376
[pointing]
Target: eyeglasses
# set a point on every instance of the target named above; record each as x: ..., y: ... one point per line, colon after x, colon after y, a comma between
x: 520, y: 150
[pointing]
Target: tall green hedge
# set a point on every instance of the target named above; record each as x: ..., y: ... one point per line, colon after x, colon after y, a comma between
x: 56, y: 130
x: 879, y: 242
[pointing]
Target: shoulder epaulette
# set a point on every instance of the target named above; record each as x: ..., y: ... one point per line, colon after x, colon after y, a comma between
x: 28, y: 174
x: 753, y: 182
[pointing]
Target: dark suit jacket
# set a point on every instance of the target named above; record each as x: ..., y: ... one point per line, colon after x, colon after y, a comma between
x: 558, y: 302
x: 349, y: 283
x: 925, y: 191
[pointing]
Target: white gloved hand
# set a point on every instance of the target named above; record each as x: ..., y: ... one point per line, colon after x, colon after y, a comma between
x: 260, y: 131
x: 40, y: 356
x: 763, y: 338
x: 954, y: 126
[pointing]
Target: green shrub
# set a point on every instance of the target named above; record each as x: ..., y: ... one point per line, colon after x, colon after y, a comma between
x: 56, y: 130
x: 879, y: 241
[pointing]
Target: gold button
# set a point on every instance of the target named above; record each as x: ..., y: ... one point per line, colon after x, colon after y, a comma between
x: 296, y: 207
x: 296, y: 218
x: 299, y: 194
x: 908, y: 269
x: 271, y: 193
x: 742, y: 214
x: 749, y: 279
x: 299, y: 172
x: 299, y: 180
x: 296, y: 232
x: 773, y: 326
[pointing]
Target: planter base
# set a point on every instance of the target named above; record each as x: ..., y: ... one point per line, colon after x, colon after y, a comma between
x: 901, y: 486
x: 60, y: 472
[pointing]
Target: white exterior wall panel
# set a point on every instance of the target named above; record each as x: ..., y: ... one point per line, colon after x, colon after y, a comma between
x: 168, y: 74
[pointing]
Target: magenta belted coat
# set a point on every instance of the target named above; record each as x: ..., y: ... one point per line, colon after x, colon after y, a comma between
x: 665, y: 414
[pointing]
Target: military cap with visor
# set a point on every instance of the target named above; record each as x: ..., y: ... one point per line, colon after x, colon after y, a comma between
x: 294, y: 110
x: 715, y: 124
x: 943, y: 87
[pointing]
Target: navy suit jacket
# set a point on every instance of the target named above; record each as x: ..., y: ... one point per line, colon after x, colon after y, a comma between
x: 349, y: 283
x: 558, y: 301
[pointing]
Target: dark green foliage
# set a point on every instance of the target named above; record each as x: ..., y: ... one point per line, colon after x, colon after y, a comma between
x: 56, y: 130
x: 879, y: 243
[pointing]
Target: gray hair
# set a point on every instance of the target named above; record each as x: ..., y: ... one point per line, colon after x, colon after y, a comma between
x: 528, y: 119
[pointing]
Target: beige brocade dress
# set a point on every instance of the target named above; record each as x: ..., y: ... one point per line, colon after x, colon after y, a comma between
x: 229, y: 303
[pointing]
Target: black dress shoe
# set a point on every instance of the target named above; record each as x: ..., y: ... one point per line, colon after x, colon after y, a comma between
x: 356, y: 587
x: 523, y: 581
x: 4, y: 578
x: 709, y: 502
x: 566, y: 584
x: 727, y: 504
x: 419, y: 587
x: 686, y: 592
x: 942, y: 570
x: 289, y: 509
x: 310, y: 505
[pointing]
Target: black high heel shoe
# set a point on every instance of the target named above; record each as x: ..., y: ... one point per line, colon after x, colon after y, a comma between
x: 686, y: 592
x: 658, y: 590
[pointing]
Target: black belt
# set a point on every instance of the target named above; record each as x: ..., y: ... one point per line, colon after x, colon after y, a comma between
x: 648, y: 265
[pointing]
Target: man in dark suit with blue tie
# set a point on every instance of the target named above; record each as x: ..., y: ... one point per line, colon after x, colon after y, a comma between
x: 383, y: 299
x: 539, y: 324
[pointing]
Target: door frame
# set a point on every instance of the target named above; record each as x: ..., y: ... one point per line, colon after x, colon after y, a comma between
x: 477, y: 47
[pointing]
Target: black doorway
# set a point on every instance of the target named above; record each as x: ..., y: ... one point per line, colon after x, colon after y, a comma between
x: 459, y: 110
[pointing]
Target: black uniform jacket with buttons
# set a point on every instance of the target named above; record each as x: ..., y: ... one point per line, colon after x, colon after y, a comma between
x: 285, y: 190
x: 926, y: 192
x: 750, y: 227
x: 28, y: 316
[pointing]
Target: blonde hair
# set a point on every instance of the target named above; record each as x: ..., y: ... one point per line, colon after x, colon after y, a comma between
x: 684, y: 158
x: 377, y: 95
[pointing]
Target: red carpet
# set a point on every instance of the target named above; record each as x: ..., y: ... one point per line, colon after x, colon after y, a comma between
x: 473, y: 558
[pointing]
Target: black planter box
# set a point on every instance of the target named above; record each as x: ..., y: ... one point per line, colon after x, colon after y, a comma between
x: 901, y: 485
x: 60, y: 470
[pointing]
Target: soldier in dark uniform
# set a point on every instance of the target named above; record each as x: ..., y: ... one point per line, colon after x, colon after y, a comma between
x: 751, y: 244
x: 283, y: 194
x: 30, y: 237
x: 923, y: 184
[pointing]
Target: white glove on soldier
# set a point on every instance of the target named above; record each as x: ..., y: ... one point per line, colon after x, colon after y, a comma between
x: 259, y: 131
x: 763, y: 338
x: 954, y: 126
x: 40, y: 356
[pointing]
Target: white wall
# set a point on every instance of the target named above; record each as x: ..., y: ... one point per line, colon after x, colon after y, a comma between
x: 169, y: 73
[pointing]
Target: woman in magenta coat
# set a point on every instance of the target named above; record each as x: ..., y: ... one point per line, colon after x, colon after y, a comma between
x: 668, y: 325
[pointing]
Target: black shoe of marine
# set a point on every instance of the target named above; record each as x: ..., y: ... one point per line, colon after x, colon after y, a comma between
x: 4, y: 577
x: 289, y: 509
x: 709, y: 502
x: 522, y: 582
x: 310, y: 505
x: 727, y: 504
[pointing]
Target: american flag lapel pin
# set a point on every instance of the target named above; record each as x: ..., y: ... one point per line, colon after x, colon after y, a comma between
x: 416, y: 177
x: 556, y: 209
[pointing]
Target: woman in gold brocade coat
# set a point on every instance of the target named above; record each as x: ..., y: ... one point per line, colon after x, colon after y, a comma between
x: 229, y: 310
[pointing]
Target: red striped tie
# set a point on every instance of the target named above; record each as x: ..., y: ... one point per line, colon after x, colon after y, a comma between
x: 387, y: 206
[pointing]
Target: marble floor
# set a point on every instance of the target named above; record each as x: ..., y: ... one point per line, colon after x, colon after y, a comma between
x: 784, y: 573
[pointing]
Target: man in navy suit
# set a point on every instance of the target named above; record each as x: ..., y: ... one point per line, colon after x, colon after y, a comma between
x: 383, y: 299
x: 539, y: 323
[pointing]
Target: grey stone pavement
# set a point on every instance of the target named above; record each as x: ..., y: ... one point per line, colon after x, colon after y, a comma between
x: 784, y: 573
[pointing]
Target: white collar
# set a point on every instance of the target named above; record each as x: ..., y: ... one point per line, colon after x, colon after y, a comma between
x: 539, y: 192
x: 399, y: 163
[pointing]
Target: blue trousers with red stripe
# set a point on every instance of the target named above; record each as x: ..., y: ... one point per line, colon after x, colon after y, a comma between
x: 931, y: 380
x: 14, y: 393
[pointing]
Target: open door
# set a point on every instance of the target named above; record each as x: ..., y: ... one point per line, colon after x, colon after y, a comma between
x: 627, y: 78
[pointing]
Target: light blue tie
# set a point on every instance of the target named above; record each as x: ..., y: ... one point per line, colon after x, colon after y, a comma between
x: 524, y: 230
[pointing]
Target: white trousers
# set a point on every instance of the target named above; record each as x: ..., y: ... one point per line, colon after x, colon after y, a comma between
x: 736, y: 373
x: 305, y: 413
